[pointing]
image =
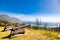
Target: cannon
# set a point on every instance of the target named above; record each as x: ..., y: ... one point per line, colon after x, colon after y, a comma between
x: 16, y: 30
x: 8, y: 27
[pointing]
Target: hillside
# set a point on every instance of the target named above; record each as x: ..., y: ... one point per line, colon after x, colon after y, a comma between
x: 31, y: 35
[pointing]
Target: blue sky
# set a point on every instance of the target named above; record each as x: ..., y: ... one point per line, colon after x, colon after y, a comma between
x: 19, y: 6
x: 29, y: 10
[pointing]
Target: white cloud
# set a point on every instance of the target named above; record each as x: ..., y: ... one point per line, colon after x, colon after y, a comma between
x: 22, y: 17
x: 32, y: 18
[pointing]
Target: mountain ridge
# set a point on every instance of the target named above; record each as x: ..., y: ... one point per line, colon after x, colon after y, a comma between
x: 5, y: 17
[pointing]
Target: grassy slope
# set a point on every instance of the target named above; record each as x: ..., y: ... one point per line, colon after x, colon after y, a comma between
x: 31, y: 35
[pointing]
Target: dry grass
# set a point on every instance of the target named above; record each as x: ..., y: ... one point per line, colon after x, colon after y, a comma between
x: 30, y: 35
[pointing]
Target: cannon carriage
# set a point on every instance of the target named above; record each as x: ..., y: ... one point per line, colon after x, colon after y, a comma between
x: 15, y: 30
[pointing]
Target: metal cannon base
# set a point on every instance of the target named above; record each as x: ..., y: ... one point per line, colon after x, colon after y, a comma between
x: 9, y: 36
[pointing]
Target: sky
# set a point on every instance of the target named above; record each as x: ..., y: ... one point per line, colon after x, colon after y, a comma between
x: 29, y: 10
